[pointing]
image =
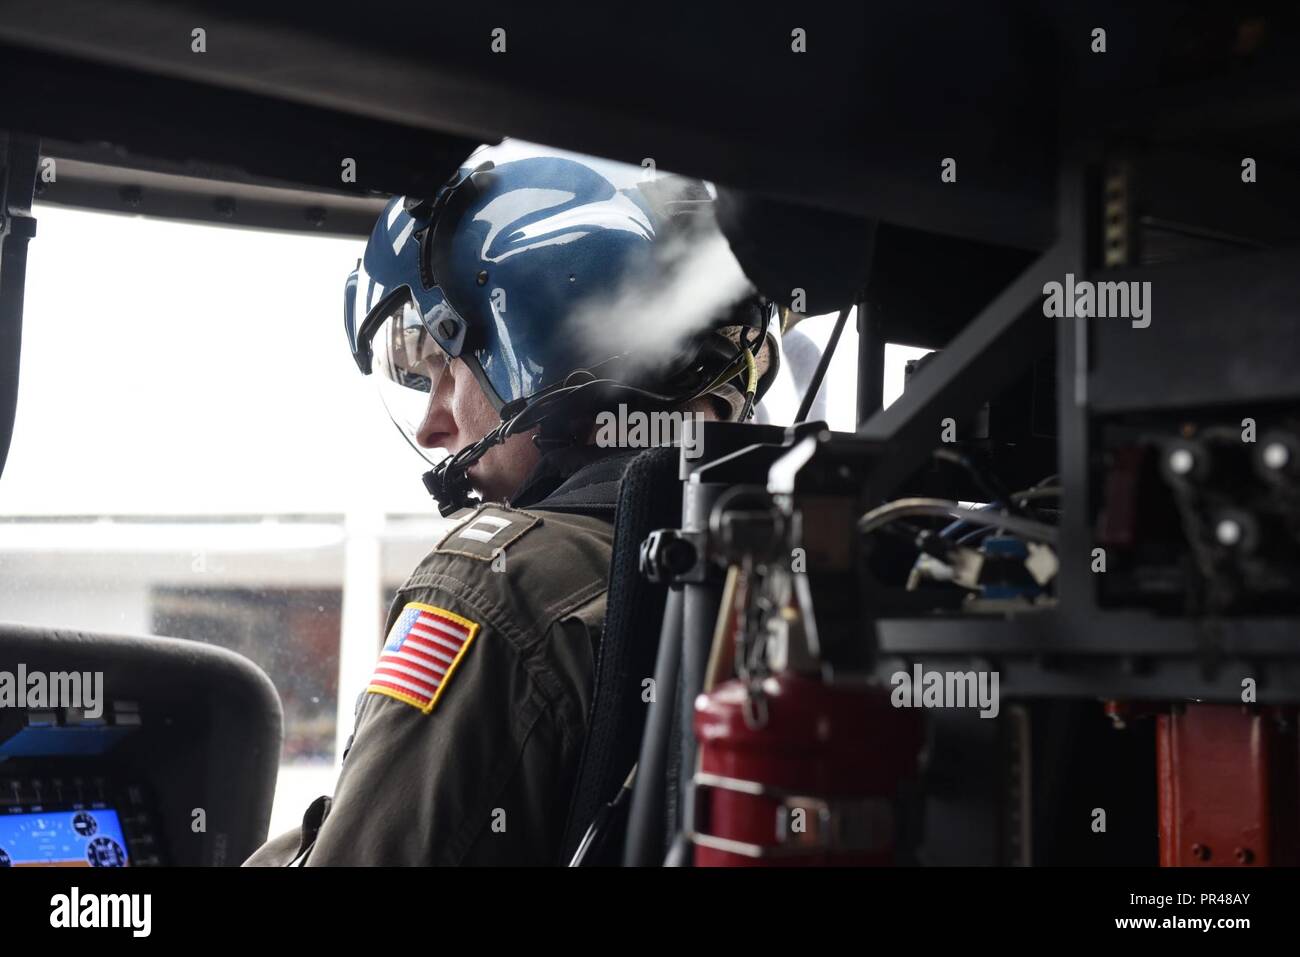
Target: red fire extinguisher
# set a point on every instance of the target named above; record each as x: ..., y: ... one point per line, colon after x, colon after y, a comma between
x: 795, y: 771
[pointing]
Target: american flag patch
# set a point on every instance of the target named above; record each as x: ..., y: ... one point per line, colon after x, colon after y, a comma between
x: 423, y: 648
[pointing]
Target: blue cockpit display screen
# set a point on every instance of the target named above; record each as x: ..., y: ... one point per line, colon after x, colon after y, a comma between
x: 77, y: 838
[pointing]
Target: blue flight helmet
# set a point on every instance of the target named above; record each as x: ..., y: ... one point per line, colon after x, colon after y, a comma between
x: 494, y: 269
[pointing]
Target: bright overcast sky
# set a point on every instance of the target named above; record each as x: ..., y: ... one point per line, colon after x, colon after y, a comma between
x: 171, y: 368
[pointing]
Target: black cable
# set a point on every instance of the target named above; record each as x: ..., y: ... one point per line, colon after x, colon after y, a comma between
x: 1030, y: 494
x: 822, y: 365
x: 755, y: 347
x: 942, y: 508
x: 448, y: 480
x: 988, y: 483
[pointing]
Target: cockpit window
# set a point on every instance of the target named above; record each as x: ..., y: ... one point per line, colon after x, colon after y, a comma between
x: 195, y: 456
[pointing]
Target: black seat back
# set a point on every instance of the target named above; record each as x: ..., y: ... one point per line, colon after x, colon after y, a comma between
x: 649, y: 498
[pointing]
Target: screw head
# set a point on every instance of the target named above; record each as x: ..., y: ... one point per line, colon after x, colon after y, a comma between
x: 1181, y: 461
x: 1275, y: 456
x: 1244, y: 855
x: 1228, y: 531
x: 1201, y: 852
x: 447, y: 328
x: 482, y: 277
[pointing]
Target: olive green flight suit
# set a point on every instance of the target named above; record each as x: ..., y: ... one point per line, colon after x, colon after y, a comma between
x: 486, y: 775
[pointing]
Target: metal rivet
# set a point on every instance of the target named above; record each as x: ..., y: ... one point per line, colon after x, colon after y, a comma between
x: 1181, y: 461
x: 1276, y: 455
x: 1228, y: 532
x: 482, y: 277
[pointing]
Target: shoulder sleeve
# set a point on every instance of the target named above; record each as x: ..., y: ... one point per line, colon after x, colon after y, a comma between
x: 469, y: 735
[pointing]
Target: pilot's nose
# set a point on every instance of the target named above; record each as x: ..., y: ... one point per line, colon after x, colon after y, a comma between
x: 438, y: 428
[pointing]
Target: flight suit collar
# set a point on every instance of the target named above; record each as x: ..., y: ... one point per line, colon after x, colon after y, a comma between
x: 582, y: 479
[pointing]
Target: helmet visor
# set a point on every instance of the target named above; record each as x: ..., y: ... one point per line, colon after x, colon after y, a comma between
x: 409, y: 365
